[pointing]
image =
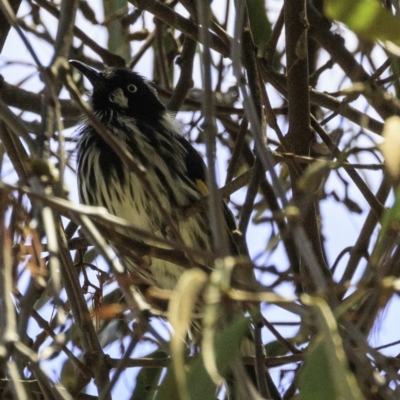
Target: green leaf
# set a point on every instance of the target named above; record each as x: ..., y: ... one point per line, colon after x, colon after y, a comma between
x: 169, y: 387
x: 390, y: 227
x: 325, y: 373
x: 227, y: 349
x: 199, y: 384
x: 72, y: 379
x: 147, y: 379
x: 259, y: 24
x: 118, y: 42
x: 90, y: 255
x: 275, y: 349
x: 366, y: 18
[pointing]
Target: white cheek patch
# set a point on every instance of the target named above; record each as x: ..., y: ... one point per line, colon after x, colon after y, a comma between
x: 118, y: 97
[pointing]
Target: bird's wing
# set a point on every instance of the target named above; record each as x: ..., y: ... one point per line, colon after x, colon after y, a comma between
x: 197, y: 168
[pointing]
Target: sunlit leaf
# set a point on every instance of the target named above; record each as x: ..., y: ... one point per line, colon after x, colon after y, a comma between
x: 391, y: 146
x: 181, y: 308
x: 366, y: 18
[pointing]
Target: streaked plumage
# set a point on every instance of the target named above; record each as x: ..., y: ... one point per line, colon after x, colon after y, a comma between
x: 129, y: 108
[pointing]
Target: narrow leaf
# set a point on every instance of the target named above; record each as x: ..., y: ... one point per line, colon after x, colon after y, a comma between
x: 199, y: 383
x: 181, y: 307
x: 259, y: 24
x: 391, y: 146
x: 227, y: 349
x: 325, y: 373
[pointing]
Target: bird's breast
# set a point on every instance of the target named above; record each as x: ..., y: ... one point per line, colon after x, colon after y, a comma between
x: 105, y: 181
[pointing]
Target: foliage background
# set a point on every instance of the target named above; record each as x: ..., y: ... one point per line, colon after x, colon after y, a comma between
x: 310, y: 201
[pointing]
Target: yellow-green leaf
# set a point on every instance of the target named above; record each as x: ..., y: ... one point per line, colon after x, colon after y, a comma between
x: 366, y: 18
x: 391, y: 146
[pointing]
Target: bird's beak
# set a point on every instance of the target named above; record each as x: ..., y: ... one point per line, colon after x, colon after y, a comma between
x: 95, y: 78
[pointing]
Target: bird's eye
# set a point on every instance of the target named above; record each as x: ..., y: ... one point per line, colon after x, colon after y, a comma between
x: 132, y: 88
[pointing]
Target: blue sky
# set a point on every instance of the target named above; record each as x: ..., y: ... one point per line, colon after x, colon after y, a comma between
x: 340, y: 228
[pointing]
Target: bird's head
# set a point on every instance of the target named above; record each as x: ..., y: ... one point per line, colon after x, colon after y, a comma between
x: 122, y: 91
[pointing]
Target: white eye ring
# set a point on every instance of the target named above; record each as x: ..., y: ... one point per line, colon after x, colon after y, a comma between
x: 132, y: 88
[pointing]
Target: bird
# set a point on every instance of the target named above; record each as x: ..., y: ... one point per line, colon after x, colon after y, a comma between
x: 129, y: 108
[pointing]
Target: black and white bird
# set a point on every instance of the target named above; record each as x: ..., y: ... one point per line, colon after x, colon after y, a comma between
x: 128, y: 106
